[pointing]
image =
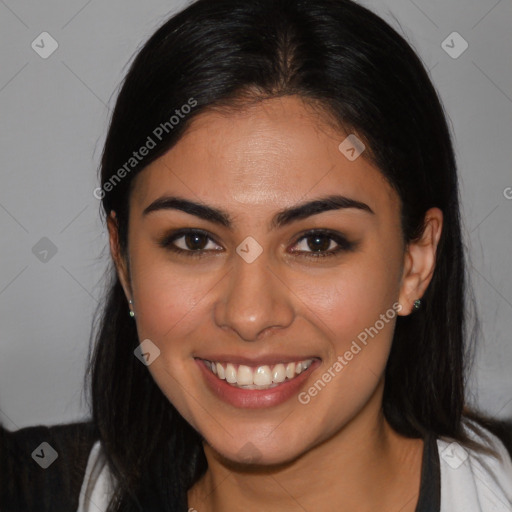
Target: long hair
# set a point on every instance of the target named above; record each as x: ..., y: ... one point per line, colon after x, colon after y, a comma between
x: 365, y: 78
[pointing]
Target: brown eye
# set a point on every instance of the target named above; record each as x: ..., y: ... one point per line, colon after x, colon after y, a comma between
x: 323, y: 243
x: 319, y: 243
x: 192, y: 241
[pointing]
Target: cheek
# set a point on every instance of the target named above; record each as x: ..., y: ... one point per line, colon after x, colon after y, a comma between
x: 168, y: 308
x: 169, y: 296
x: 358, y: 317
x: 352, y: 297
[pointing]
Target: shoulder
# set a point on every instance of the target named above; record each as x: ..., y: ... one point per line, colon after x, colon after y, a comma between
x: 472, y: 480
x: 42, y: 467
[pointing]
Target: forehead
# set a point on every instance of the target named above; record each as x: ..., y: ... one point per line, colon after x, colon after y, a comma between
x: 272, y: 154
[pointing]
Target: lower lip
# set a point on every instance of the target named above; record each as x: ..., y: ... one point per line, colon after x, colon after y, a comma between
x: 254, y: 398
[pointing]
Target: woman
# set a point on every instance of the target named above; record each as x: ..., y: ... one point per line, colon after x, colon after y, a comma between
x: 285, y: 326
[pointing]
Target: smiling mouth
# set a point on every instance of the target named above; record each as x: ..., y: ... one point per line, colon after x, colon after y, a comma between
x: 257, y: 377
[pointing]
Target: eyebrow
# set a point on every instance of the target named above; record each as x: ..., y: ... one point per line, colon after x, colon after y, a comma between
x: 280, y: 219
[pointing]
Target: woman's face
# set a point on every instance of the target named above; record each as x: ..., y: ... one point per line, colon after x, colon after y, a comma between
x: 253, y: 290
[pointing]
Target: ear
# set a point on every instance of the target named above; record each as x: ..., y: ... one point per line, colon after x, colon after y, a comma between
x: 115, y: 251
x: 419, y: 261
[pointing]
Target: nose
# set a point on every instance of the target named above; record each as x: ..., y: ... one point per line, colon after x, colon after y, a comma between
x: 254, y: 301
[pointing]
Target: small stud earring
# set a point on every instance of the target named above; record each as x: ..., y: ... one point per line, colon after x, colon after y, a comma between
x: 132, y: 314
x: 417, y: 304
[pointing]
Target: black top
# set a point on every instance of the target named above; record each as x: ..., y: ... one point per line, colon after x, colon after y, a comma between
x: 430, y: 488
x: 26, y: 487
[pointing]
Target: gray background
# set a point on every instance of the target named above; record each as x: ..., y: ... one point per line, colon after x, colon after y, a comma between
x: 54, y: 115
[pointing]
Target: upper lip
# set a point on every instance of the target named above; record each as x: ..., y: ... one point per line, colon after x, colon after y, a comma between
x: 269, y: 359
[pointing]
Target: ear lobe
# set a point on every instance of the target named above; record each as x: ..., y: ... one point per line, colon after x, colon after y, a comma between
x: 117, y: 257
x: 419, y: 261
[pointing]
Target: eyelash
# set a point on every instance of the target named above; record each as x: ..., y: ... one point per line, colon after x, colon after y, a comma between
x: 343, y: 244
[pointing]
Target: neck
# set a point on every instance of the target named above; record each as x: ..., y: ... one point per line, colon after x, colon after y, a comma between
x: 365, y: 466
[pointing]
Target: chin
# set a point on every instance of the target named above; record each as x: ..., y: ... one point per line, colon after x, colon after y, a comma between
x: 260, y: 453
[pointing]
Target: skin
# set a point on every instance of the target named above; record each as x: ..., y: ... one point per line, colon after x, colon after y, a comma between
x: 337, y: 449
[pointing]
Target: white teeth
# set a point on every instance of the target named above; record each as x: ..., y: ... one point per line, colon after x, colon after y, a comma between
x: 244, y: 376
x: 279, y: 373
x: 262, y: 377
x: 230, y: 373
